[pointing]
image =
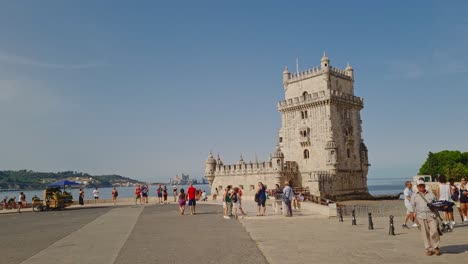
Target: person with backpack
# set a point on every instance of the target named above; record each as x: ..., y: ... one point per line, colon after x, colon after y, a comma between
x: 444, y: 194
x: 426, y: 218
x: 455, y: 195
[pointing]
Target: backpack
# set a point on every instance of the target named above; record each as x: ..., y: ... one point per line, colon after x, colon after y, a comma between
x: 234, y: 198
x: 455, y: 195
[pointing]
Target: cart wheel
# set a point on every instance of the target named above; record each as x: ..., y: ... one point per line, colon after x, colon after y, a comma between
x: 37, y: 207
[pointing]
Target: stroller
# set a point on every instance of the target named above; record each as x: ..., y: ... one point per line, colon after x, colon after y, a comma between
x: 436, y: 207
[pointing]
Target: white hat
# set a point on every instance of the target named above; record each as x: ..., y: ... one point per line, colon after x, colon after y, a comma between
x: 420, y: 182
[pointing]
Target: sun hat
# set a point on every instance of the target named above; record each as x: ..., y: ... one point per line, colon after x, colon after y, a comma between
x: 420, y: 182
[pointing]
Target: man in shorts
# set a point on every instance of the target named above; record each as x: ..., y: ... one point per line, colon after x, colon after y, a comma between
x: 191, y: 194
x: 408, y: 192
x: 96, y: 194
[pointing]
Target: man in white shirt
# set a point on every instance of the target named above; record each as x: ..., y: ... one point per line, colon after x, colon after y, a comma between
x: 408, y: 192
x: 96, y: 194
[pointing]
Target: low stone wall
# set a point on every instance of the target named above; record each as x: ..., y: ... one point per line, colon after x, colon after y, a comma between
x: 328, y: 211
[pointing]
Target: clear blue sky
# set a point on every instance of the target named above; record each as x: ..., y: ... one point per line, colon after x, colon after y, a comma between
x: 145, y: 89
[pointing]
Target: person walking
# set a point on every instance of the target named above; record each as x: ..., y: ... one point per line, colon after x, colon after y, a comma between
x: 138, y: 194
x: 115, y: 193
x: 408, y: 192
x: 260, y: 198
x: 288, y: 195
x: 455, y: 195
x: 174, y: 192
x: 21, y: 201
x: 165, y: 194
x: 225, y: 216
x: 159, y: 193
x: 191, y: 194
x: 463, y: 188
x: 426, y: 218
x: 81, y: 197
x: 144, y: 193
x: 182, y: 201
x: 96, y: 195
x: 444, y: 194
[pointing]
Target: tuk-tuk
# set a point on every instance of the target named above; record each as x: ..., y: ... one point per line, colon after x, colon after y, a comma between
x: 53, y: 198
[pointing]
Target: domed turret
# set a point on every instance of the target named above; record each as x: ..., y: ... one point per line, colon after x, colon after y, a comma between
x: 325, y: 61
x: 278, y: 153
x: 286, y: 76
x: 241, y: 160
x: 349, y: 71
x: 210, y: 167
x: 278, y: 158
x: 219, y: 161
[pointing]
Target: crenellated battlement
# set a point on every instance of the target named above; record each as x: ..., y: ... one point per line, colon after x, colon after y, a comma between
x: 312, y: 72
x: 319, y: 97
x: 340, y: 73
x: 316, y: 71
x: 254, y: 168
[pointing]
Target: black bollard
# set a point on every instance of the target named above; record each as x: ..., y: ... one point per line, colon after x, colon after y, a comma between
x: 371, y: 224
x: 340, y: 214
x: 391, y: 230
x: 353, y: 222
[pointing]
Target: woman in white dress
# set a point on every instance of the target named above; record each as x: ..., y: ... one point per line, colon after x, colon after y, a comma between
x: 444, y: 194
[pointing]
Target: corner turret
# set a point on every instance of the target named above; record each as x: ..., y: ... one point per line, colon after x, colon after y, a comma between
x: 210, y: 168
x: 286, y: 77
x: 277, y: 158
x: 325, y: 61
x: 349, y: 71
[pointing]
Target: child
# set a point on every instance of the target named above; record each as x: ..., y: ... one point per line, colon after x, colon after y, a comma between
x: 182, y: 201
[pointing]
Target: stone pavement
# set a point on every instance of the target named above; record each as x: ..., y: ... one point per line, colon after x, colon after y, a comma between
x: 157, y: 234
x: 125, y: 234
x: 309, y: 239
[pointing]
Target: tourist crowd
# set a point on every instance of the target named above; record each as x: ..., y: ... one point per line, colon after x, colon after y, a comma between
x: 423, y: 207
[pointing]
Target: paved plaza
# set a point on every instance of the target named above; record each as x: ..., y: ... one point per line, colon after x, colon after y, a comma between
x: 157, y: 234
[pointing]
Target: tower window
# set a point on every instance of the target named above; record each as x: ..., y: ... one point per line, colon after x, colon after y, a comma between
x: 302, y: 114
x: 348, y: 151
x: 306, y: 154
x: 305, y: 114
x: 281, y: 139
x: 305, y: 94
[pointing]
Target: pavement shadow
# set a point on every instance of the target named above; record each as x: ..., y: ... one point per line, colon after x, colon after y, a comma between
x: 454, y: 249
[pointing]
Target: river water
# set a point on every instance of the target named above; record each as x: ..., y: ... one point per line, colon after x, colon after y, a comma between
x: 377, y: 186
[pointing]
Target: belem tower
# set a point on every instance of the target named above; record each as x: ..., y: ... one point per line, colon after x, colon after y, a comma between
x: 319, y: 143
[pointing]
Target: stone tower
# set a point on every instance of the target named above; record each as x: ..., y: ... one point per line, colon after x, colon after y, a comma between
x: 321, y: 131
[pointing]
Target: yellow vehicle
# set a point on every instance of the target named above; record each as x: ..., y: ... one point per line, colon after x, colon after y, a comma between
x: 53, y: 197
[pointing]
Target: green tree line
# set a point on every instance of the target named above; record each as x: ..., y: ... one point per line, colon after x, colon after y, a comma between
x: 28, y: 179
x: 452, y: 164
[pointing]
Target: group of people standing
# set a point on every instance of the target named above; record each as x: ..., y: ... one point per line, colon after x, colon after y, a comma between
x: 10, y: 203
x: 424, y: 215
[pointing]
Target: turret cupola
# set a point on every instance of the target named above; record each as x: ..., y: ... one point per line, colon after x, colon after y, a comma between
x: 324, y: 62
x: 349, y: 71
x: 278, y: 159
x: 210, y: 167
x: 278, y: 153
x: 286, y: 76
x: 219, y: 161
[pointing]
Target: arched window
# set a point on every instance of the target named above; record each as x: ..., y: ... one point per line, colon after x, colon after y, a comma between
x: 306, y: 154
x: 305, y: 114
x: 348, y: 151
x: 302, y: 114
x: 305, y: 94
